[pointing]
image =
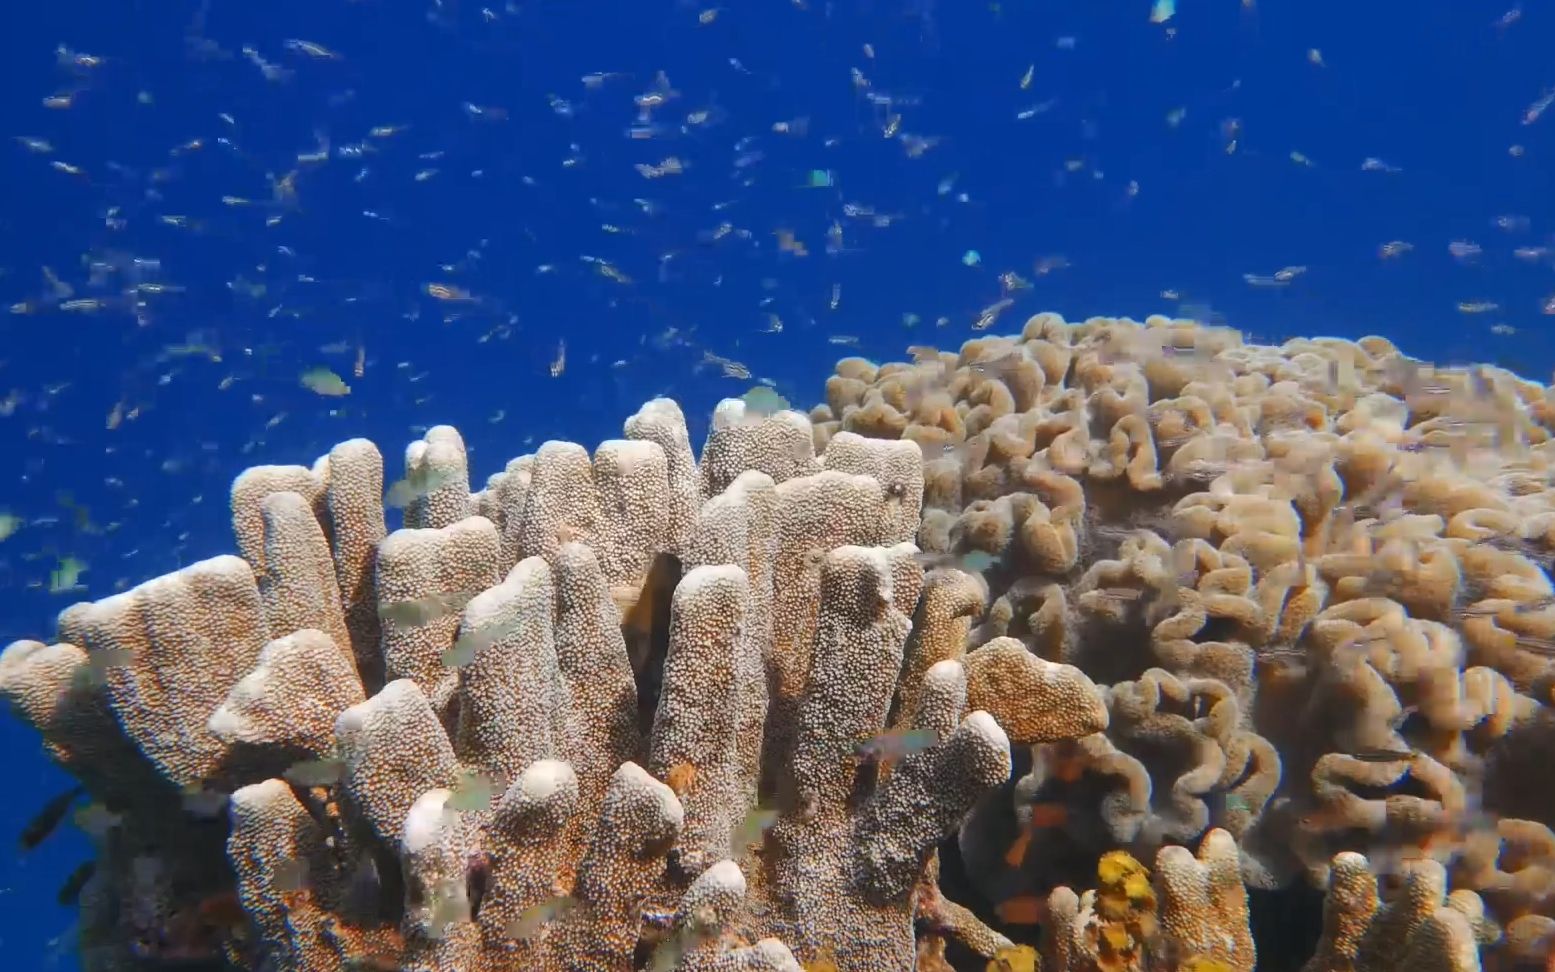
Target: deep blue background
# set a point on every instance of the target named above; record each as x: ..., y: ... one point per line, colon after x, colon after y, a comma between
x: 1434, y: 88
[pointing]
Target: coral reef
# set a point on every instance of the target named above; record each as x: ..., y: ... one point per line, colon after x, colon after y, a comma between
x: 869, y: 689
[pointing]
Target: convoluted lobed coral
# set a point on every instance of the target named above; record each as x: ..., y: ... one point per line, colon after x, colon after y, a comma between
x: 1061, y: 603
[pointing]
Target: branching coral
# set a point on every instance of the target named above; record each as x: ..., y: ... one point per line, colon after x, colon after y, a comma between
x: 644, y: 709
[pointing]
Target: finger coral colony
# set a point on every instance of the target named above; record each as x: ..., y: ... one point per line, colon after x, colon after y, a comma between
x: 1062, y: 652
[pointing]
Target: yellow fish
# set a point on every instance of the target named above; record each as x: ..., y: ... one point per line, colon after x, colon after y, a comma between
x: 322, y: 381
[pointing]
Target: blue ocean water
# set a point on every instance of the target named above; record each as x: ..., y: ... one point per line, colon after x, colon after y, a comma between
x: 200, y: 209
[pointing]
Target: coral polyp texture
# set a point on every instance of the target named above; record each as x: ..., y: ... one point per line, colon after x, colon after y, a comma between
x: 1050, y: 653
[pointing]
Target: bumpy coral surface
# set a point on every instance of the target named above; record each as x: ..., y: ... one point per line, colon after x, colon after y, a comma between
x: 1011, y: 620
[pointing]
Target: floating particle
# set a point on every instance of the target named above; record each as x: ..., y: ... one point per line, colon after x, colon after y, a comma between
x: 971, y: 258
x: 1511, y: 223
x: 1162, y: 11
x: 1300, y: 158
x: 1504, y: 330
x: 1025, y: 79
x: 1315, y: 57
x: 322, y: 381
x: 1175, y: 117
x: 709, y: 15
x: 1477, y: 307
x: 820, y: 179
x: 559, y: 363
x: 1394, y: 248
x: 9, y: 524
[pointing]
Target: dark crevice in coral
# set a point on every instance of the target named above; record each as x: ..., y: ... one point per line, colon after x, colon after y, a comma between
x: 1285, y: 923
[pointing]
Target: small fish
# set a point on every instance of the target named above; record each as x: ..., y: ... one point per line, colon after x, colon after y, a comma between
x: 1203, y: 963
x: 1539, y: 107
x: 1383, y: 755
x: 200, y: 802
x: 472, y: 791
x: 309, y: 48
x: 96, y: 820
x: 761, y: 401
x: 1016, y: 958
x: 47, y: 819
x: 826, y: 961
x: 477, y: 880
x: 322, y: 381
x: 290, y: 875
x: 447, y: 292
x: 403, y: 492
x: 1026, y: 909
x: 1537, y: 604
x: 893, y: 745
x: 423, y: 610
x: 70, y: 892
x: 472, y: 643
x: 528, y: 925
x: 315, y: 772
x: 450, y: 906
x: 66, y: 576
x: 752, y: 829
x: 94, y: 672
x: 1464, y: 251
x: 1394, y: 248
x: 681, y: 777
x: 1536, y: 646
